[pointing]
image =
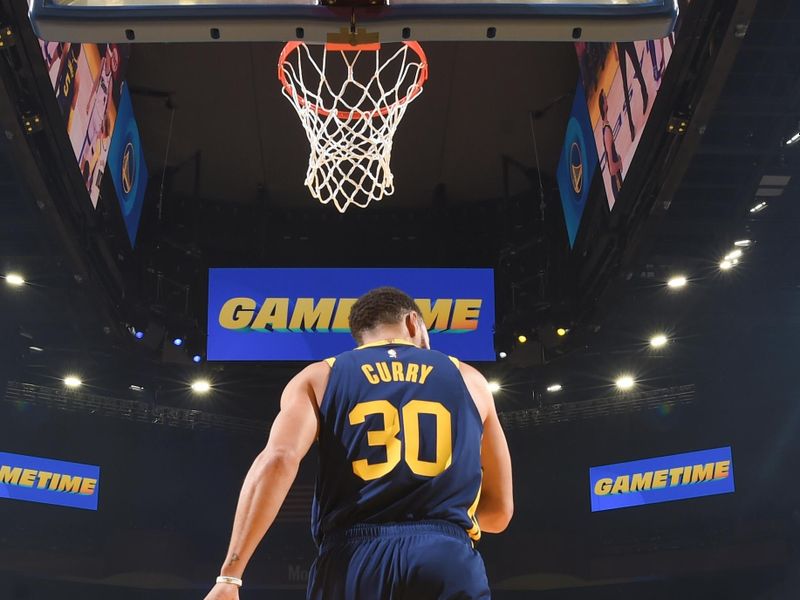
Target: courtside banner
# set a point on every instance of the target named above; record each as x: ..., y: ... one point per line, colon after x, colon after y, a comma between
x: 302, y: 314
x: 662, y: 479
x: 49, y: 481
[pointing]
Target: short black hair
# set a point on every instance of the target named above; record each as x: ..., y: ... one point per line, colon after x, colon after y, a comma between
x: 381, y: 306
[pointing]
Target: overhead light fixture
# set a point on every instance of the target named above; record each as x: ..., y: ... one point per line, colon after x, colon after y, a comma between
x: 502, y: 354
x: 556, y: 387
x: 15, y: 279
x: 678, y: 281
x: 561, y: 332
x: 794, y: 139
x: 494, y: 386
x: 522, y: 339
x: 735, y: 255
x: 625, y: 382
x: 758, y: 207
x: 136, y: 388
x: 658, y: 341
x: 139, y: 334
x: 177, y: 341
x: 743, y: 243
x: 35, y: 349
x: 71, y: 381
x: 726, y: 265
x: 197, y: 358
x: 201, y: 386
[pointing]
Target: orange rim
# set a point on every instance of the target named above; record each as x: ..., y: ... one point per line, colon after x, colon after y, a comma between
x: 352, y: 114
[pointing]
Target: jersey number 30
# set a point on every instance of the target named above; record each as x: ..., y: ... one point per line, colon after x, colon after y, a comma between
x: 387, y: 437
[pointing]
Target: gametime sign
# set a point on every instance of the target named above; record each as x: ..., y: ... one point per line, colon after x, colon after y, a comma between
x: 302, y: 314
x: 662, y: 479
x: 48, y: 481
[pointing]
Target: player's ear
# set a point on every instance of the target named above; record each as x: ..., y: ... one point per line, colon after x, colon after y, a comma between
x: 412, y: 326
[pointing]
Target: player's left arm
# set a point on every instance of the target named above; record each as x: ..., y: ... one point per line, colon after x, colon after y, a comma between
x: 274, y: 470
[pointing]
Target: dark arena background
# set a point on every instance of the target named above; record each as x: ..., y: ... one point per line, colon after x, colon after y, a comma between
x: 639, y: 308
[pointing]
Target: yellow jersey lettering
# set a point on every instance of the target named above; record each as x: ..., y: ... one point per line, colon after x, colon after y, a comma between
x: 412, y: 372
x: 397, y: 371
x: 426, y: 370
x: 369, y: 373
x: 383, y: 372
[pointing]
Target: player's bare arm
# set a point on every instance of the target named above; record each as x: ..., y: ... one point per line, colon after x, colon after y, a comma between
x: 272, y: 473
x: 496, y: 505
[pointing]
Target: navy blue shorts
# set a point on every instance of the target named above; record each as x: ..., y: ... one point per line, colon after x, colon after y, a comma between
x: 427, y: 560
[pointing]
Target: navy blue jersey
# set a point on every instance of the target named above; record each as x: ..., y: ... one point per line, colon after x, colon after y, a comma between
x: 399, y: 441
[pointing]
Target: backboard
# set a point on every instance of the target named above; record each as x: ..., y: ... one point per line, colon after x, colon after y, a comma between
x: 311, y: 21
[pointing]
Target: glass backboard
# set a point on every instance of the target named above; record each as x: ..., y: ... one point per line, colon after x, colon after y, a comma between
x: 312, y: 21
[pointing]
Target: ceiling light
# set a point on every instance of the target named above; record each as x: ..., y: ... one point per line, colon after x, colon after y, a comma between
x: 494, y: 386
x: 556, y: 387
x: 562, y: 332
x: 758, y: 207
x: 177, y: 341
x: 72, y: 382
x: 139, y: 334
x: 136, y: 388
x: 502, y: 354
x: 197, y: 358
x: 736, y: 254
x: 742, y: 243
x: 35, y: 349
x: 522, y: 339
x: 677, y: 282
x: 726, y: 265
x: 658, y: 341
x: 201, y: 386
x: 794, y: 139
x: 14, y: 279
x: 625, y: 382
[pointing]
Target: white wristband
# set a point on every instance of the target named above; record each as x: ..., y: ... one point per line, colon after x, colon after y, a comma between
x: 232, y: 580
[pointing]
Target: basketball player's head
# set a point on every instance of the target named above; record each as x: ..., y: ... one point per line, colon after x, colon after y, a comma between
x: 387, y: 312
x: 601, y: 100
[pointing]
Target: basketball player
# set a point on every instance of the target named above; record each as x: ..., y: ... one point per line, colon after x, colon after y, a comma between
x: 413, y: 465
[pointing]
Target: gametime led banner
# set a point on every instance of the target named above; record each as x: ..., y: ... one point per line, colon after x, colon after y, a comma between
x: 302, y: 314
x: 49, y: 481
x: 662, y: 479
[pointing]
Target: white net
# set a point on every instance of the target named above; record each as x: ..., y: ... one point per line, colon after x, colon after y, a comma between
x: 350, y: 111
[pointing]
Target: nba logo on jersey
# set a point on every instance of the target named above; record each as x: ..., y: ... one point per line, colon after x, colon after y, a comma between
x: 392, y: 353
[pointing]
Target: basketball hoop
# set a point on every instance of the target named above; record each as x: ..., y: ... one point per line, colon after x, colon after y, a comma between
x: 350, y: 119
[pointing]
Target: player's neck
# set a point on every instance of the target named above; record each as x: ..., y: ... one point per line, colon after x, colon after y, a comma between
x: 386, y: 334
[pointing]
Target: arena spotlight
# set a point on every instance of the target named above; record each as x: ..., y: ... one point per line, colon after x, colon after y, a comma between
x: 201, y: 386
x: 758, y: 207
x: 35, y: 349
x: 734, y: 255
x: 625, y: 382
x: 139, y: 335
x: 15, y: 279
x: 197, y: 358
x: 178, y: 341
x: 502, y: 354
x: 743, y: 243
x: 677, y: 282
x: 561, y: 332
x: 658, y: 341
x: 522, y: 339
x: 136, y: 388
x: 556, y: 387
x: 71, y: 381
x: 726, y: 265
x: 794, y: 139
x: 494, y: 386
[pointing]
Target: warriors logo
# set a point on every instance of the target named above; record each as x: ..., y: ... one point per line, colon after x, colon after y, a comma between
x: 576, y: 168
x: 128, y: 174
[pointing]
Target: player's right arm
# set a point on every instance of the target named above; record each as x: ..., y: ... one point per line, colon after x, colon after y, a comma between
x: 496, y: 505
